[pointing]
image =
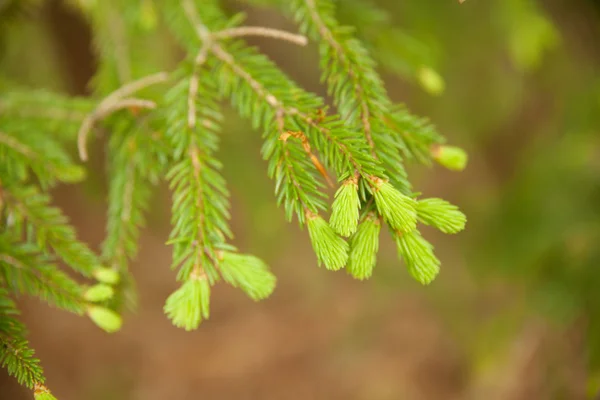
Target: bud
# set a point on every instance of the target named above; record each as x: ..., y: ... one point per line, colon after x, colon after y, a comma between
x: 106, y: 275
x: 330, y: 249
x: 431, y: 81
x: 41, y: 392
x: 397, y: 209
x: 345, y: 208
x: 364, y: 245
x: 442, y: 215
x: 451, y: 157
x: 105, y: 318
x: 189, y: 305
x: 418, y: 256
x: 249, y: 273
x: 99, y: 292
x: 70, y: 174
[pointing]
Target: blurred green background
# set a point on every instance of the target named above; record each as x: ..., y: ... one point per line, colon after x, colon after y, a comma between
x: 515, y: 313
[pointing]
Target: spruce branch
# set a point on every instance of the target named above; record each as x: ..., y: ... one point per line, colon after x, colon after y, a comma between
x: 25, y: 270
x: 15, y: 354
x: 50, y: 226
x: 340, y: 148
x: 298, y: 199
x: 134, y: 166
x: 29, y: 106
x: 49, y: 162
x: 200, y: 197
x: 394, y: 49
x: 364, y: 102
x: 306, y: 146
x: 365, y: 147
x: 392, y: 133
x: 304, y: 195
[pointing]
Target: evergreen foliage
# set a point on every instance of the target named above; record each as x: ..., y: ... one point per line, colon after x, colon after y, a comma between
x: 166, y: 126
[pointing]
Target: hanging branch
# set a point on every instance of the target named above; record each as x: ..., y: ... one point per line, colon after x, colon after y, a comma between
x: 306, y: 147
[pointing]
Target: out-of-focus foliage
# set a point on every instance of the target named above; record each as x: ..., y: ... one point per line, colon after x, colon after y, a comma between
x: 537, y: 139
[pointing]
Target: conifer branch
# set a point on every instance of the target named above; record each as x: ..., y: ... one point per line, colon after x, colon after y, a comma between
x: 17, y: 357
x: 365, y: 147
x: 277, y: 105
x: 28, y: 272
x: 292, y: 112
x: 281, y: 109
x: 39, y: 153
x: 200, y: 243
x: 289, y: 159
x: 43, y: 114
x: 120, y: 243
x: 14, y: 106
x: 15, y: 354
x: 200, y: 205
x: 359, y: 94
x: 131, y: 173
x: 50, y: 226
x: 351, y: 70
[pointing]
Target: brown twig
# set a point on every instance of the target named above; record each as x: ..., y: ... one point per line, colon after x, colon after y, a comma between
x: 300, y: 40
x: 306, y: 146
x: 116, y: 101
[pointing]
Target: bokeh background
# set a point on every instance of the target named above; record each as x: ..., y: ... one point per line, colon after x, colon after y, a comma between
x: 515, y: 313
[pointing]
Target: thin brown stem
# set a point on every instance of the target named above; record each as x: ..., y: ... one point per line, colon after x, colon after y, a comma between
x: 300, y: 40
x: 116, y: 101
x: 133, y: 87
x: 104, y: 110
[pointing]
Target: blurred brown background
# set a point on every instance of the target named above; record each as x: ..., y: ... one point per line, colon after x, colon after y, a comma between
x: 510, y: 316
